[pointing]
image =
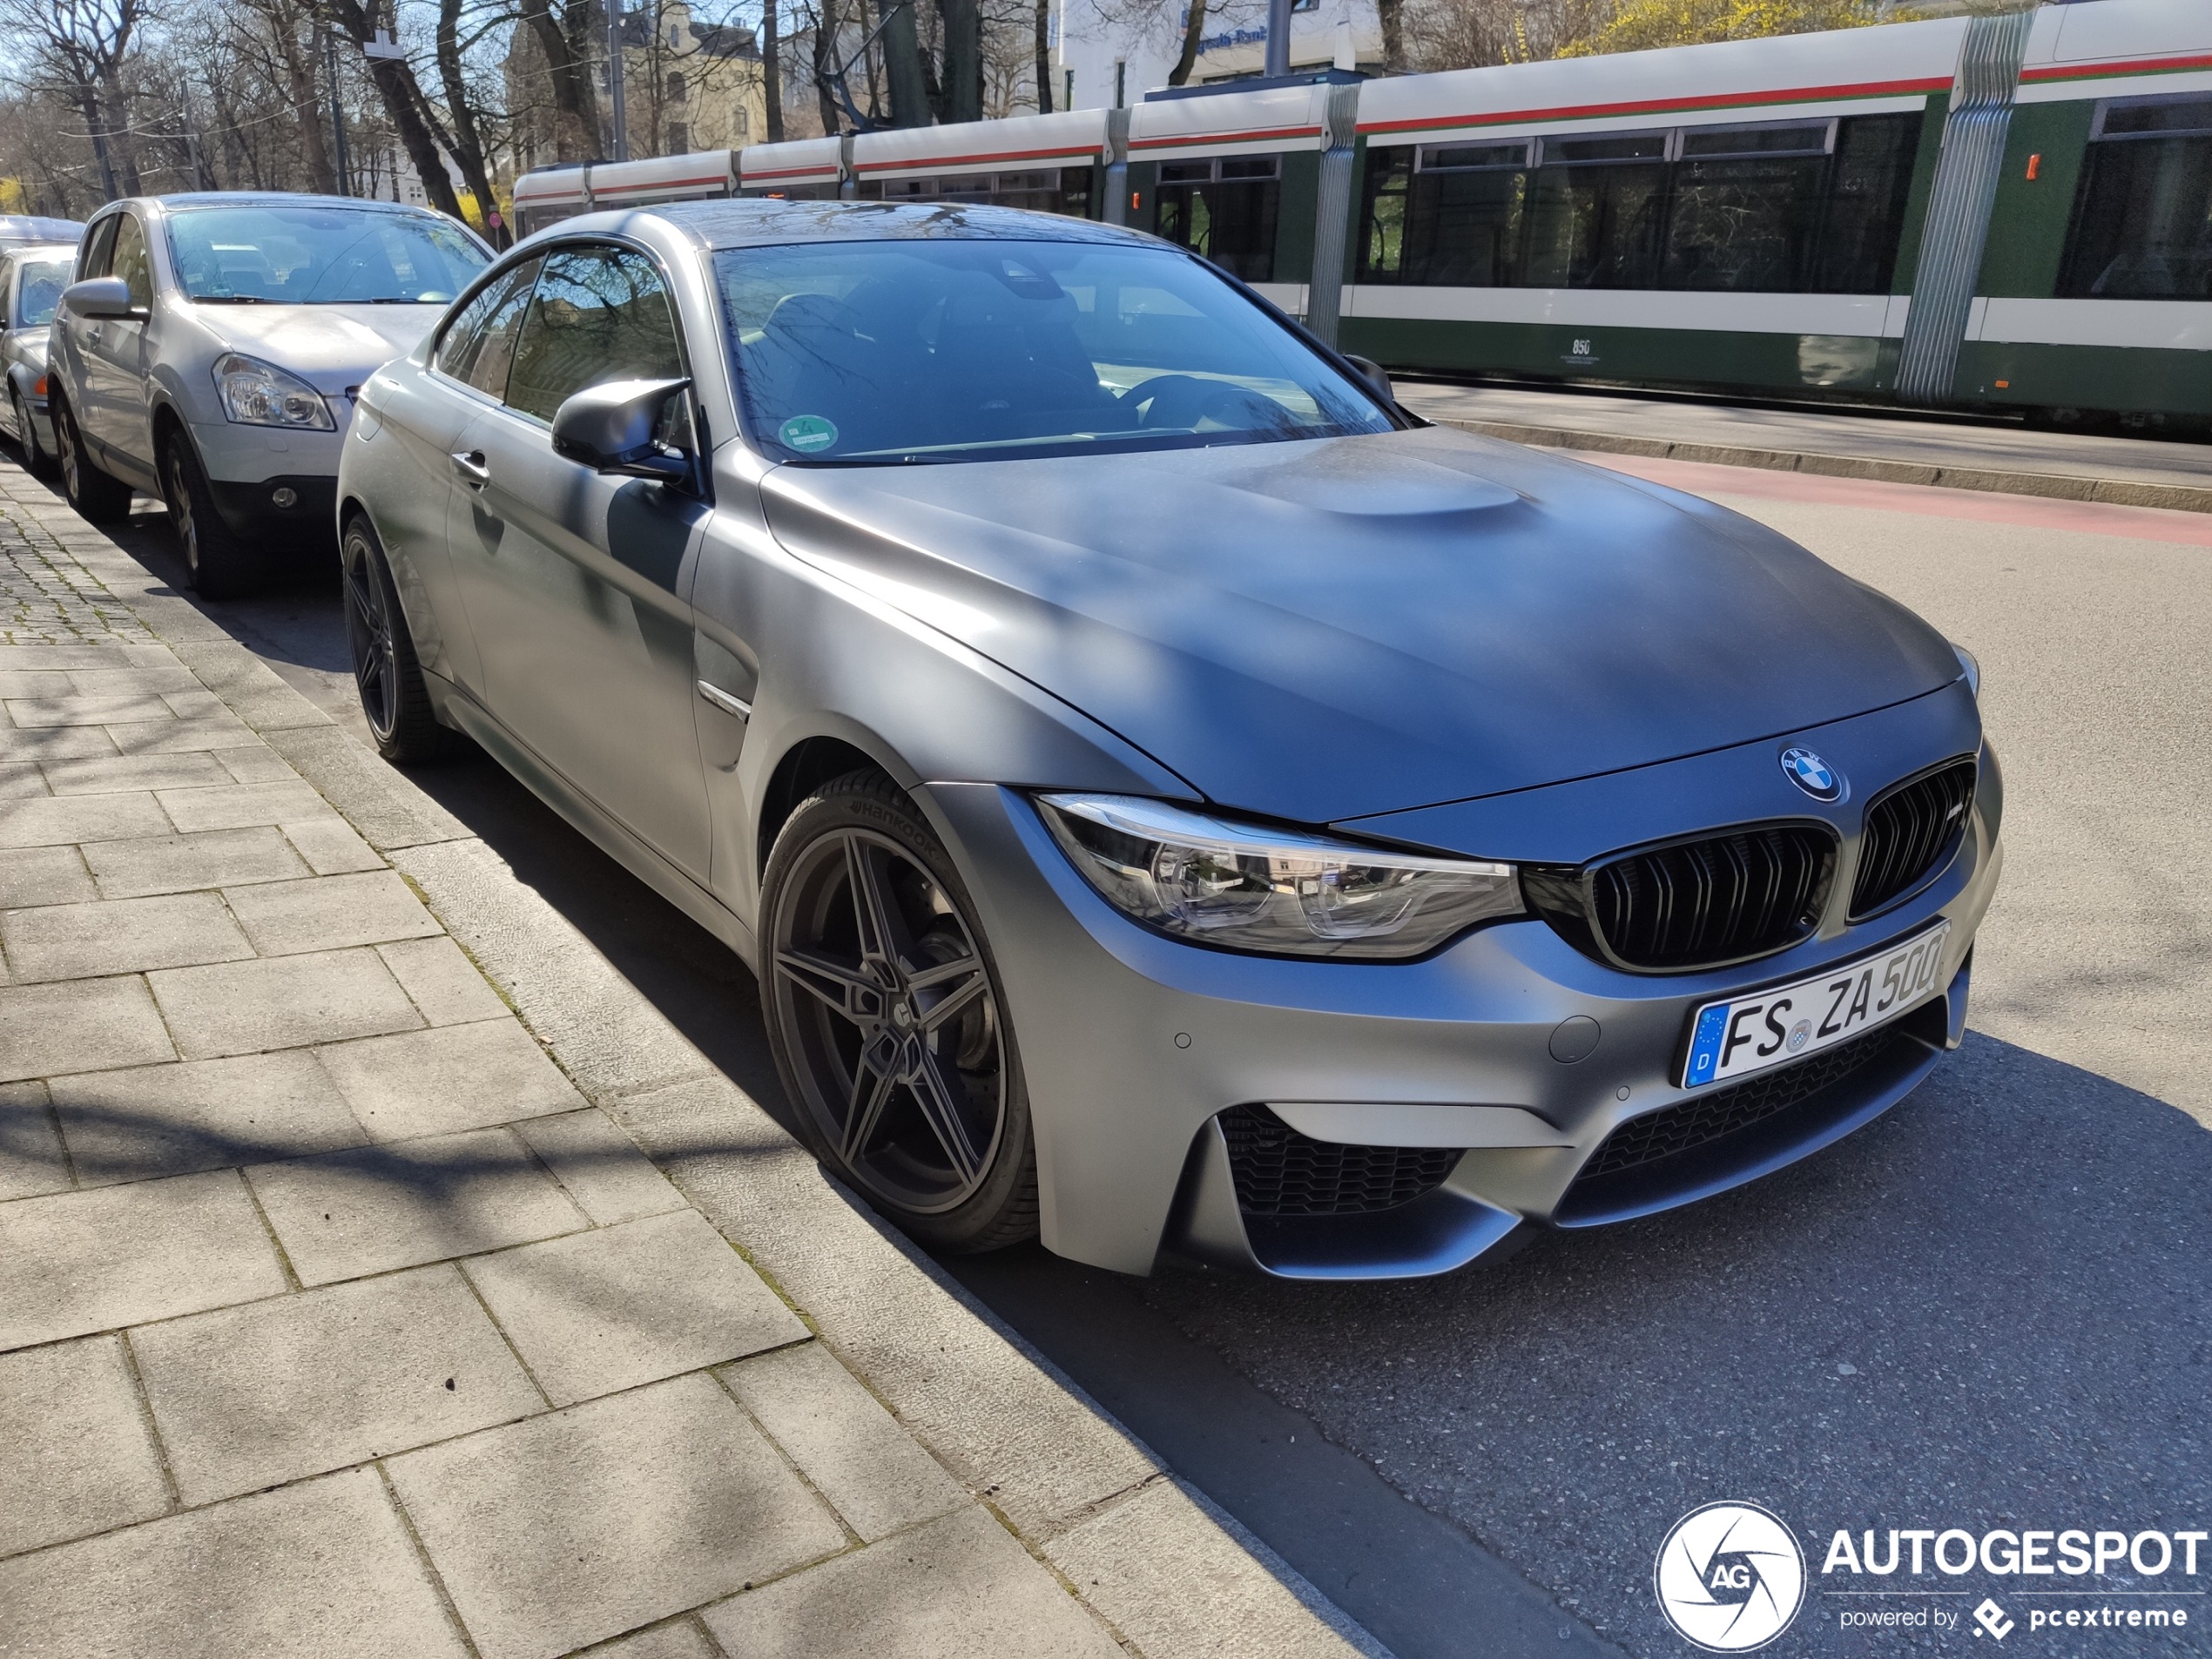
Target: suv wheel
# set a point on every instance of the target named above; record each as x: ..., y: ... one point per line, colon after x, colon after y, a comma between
x: 888, y: 1027
x: 217, y: 564
x: 99, y: 497
x: 385, y: 669
x: 37, y: 460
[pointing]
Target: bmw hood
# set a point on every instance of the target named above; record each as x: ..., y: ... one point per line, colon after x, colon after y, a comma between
x: 1328, y: 629
x: 332, y: 347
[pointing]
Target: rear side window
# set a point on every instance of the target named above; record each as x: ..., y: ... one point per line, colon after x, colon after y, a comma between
x: 597, y: 314
x: 131, y: 263
x: 479, y: 347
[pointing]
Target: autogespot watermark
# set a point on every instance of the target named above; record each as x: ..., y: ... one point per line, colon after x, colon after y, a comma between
x: 1731, y: 1577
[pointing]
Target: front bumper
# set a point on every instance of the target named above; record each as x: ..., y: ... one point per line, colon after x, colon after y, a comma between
x: 1132, y: 1045
x: 247, y: 466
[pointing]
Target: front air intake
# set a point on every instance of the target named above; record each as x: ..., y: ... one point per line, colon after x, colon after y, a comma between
x: 1280, y: 1172
x: 1693, y: 904
x: 1912, y: 830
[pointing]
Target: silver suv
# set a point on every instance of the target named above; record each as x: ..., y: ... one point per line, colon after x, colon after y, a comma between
x: 210, y: 350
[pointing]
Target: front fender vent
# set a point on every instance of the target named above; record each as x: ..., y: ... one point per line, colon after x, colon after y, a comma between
x: 1280, y: 1172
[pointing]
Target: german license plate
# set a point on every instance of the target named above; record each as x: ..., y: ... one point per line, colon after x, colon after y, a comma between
x: 1771, y: 1028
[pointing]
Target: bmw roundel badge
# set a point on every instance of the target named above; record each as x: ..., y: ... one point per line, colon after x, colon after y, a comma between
x: 1812, y: 774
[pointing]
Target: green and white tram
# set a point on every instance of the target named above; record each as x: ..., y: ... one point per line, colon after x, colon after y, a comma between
x: 2008, y: 211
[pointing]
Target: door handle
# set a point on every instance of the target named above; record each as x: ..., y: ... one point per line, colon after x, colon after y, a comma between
x: 469, y: 464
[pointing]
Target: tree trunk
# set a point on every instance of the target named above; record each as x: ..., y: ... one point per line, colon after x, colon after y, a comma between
x: 299, y: 76
x: 1044, y: 57
x: 771, y: 79
x: 88, y: 104
x: 1392, y: 14
x: 1193, y: 30
x: 902, y: 66
x: 405, y: 104
x: 568, y: 74
x: 467, y: 137
x: 826, y: 27
x: 963, y: 93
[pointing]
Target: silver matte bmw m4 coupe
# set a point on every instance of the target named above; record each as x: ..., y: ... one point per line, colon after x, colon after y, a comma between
x: 1174, y: 801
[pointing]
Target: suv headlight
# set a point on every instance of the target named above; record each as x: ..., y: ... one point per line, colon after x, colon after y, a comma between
x: 1246, y: 887
x: 259, y: 394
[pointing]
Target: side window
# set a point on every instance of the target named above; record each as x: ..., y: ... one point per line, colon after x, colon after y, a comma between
x: 131, y: 263
x: 598, y: 315
x: 99, y: 247
x: 478, y: 345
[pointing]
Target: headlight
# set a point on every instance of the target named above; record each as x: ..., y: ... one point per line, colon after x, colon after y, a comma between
x: 1248, y: 887
x: 1971, y: 663
x: 257, y: 393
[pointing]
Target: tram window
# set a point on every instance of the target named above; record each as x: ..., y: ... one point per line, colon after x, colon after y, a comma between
x: 1595, y: 226
x: 1782, y: 207
x: 1745, y: 216
x: 1794, y: 138
x: 1869, y: 184
x: 2142, y: 218
x: 1063, y: 191
x: 1470, y: 158
x: 1224, y: 210
x: 1603, y: 147
x: 2162, y: 117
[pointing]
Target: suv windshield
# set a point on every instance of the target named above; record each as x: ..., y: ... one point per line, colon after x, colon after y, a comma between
x: 320, y: 255
x: 39, y: 291
x: 922, y: 351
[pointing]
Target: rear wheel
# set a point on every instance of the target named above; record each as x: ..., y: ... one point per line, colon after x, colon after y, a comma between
x: 99, y: 497
x: 385, y: 668
x: 37, y: 460
x: 218, y: 563
x: 887, y: 1021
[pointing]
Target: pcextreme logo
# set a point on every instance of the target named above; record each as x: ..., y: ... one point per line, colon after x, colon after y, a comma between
x: 1730, y: 1577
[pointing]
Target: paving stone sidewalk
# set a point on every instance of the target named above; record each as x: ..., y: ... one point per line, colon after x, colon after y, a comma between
x: 341, y: 1312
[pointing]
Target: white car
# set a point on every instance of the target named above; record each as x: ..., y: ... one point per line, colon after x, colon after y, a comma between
x: 210, y: 350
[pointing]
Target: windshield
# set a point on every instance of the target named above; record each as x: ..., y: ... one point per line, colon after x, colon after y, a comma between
x: 320, y: 256
x: 39, y: 291
x: 914, y: 351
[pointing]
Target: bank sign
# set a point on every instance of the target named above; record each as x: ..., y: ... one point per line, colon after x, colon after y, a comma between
x: 1730, y: 1577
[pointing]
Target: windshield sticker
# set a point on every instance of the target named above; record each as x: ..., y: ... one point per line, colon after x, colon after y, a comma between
x: 809, y: 434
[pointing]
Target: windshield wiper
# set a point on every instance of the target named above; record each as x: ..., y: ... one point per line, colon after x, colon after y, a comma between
x: 231, y: 300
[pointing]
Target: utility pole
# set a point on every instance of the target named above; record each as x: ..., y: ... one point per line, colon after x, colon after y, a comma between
x: 337, y: 115
x: 1278, y: 37
x: 619, y: 116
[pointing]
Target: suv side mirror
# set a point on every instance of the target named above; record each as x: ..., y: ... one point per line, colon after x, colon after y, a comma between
x: 106, y: 296
x: 1372, y: 372
x: 611, y: 428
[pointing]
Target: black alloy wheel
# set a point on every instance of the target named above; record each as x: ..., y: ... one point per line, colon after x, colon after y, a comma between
x: 887, y: 1021
x: 37, y: 460
x: 385, y: 671
x: 98, y: 498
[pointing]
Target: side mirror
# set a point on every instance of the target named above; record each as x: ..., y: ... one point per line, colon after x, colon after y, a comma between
x: 612, y: 428
x: 105, y: 296
x: 1372, y: 372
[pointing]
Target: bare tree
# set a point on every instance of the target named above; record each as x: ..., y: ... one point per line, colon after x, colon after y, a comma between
x: 77, y: 50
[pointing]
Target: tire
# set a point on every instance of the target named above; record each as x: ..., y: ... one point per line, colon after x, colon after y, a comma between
x: 37, y: 460
x: 99, y: 497
x: 386, y: 671
x: 218, y: 564
x: 887, y: 1022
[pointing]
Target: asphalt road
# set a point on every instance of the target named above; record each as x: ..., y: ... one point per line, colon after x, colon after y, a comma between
x: 1987, y: 1310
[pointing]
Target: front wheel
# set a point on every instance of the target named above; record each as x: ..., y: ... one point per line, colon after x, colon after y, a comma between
x: 386, y: 671
x: 888, y: 1023
x: 37, y: 460
x: 99, y: 497
x: 218, y: 563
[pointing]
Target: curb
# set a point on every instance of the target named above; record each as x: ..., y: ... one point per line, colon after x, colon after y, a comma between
x: 2111, y: 492
x: 1161, y: 1566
